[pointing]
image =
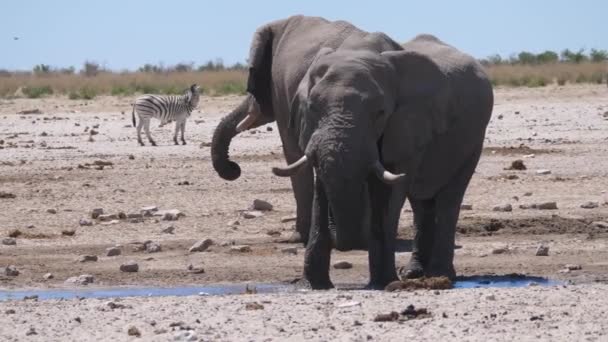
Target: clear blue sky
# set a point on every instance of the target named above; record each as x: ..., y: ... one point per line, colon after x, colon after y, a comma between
x: 125, y: 34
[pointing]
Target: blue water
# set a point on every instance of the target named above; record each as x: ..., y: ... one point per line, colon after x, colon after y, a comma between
x: 460, y: 283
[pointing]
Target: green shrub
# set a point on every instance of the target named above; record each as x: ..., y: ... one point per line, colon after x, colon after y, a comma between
x: 37, y: 92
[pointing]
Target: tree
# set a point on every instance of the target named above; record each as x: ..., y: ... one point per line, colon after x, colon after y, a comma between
x: 90, y: 69
x: 526, y: 57
x: 598, y: 55
x: 574, y: 57
x: 42, y: 69
x: 547, y: 57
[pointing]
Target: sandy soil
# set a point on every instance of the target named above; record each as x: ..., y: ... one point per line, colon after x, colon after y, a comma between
x: 561, y: 129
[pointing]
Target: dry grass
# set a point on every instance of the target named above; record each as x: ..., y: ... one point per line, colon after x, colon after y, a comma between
x: 541, y: 75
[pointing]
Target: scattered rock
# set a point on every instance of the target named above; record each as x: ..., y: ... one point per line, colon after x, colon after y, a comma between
x: 343, y: 265
x: 113, y: 251
x: 466, y: 207
x: 261, y: 205
x: 590, y: 205
x: 234, y: 223
x: 96, y: 212
x: 4, y: 194
x: 113, y: 306
x: 290, y: 250
x: 131, y: 157
x: 573, y: 267
x: 517, y: 165
x: 195, y: 270
x: 14, y: 233
x: 286, y: 219
x: 148, y: 211
x: 412, y: 313
x: 241, y: 248
x: 9, y: 241
x: 269, y: 129
x: 251, y: 214
x: 185, y: 335
x: 600, y: 224
x: 168, y: 230
x: 172, y: 215
x: 184, y: 183
x: 503, y: 208
x: 153, y: 247
x: 107, y: 217
x: 542, y: 250
x: 130, y: 266
x: 133, y: 331
x: 68, y: 232
x: 393, y: 316
x: 547, y: 206
x: 88, y: 258
x: 500, y: 250
x: 201, y: 246
x: 543, y: 172
x: 10, y: 312
x: 83, y: 279
x: 528, y: 194
x: 11, y: 271
x: 51, y: 211
x: 31, y: 331
x: 431, y: 283
x: 491, y: 297
x: 86, y: 222
x: 48, y: 276
x: 254, y: 306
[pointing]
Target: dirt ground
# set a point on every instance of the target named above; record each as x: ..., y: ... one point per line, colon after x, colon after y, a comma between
x: 44, y: 160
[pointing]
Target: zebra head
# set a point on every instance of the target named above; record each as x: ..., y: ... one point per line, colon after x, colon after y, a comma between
x: 193, y: 96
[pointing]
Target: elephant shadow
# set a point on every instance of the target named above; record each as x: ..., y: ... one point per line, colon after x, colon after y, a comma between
x: 406, y: 245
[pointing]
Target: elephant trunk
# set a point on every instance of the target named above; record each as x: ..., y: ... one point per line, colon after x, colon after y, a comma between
x: 222, y: 136
x: 347, y: 220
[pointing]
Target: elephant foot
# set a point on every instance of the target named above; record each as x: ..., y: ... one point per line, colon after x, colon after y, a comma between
x: 183, y: 142
x: 141, y: 143
x: 153, y: 143
x: 413, y: 270
x: 315, y: 284
x: 441, y: 271
x: 175, y: 142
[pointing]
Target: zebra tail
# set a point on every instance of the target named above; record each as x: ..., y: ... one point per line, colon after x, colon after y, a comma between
x: 133, y: 114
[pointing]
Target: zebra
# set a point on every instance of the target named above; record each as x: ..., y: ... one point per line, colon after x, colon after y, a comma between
x: 166, y: 109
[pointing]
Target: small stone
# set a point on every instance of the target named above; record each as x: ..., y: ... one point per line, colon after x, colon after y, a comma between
x: 113, y: 251
x: 11, y: 271
x: 96, y: 212
x: 153, y: 247
x: 201, y: 246
x: 290, y: 250
x: 590, y: 205
x: 527, y: 194
x: 546, y: 206
x: 31, y: 331
x: 542, y: 250
x: 68, y: 232
x: 543, y: 172
x: 48, y: 276
x: 133, y: 331
x: 286, y: 219
x: 168, y: 230
x: 86, y: 222
x: 107, y: 217
x: 51, y: 211
x: 269, y: 129
x: 130, y: 266
x: 88, y: 258
x: 261, y: 205
x: 234, y: 223
x: 500, y: 250
x: 185, y: 335
x: 466, y: 207
x: 343, y: 265
x: 83, y: 279
x: 172, y: 215
x: 14, y: 233
x: 241, y: 249
x: 491, y: 297
x: 254, y: 306
x: 30, y: 226
x: 149, y: 210
x: 10, y: 312
x: 573, y: 267
x: 4, y: 194
x: 517, y: 165
x: 9, y: 241
x: 195, y: 270
x: 131, y: 157
x: 503, y: 208
x: 251, y: 214
x: 600, y: 224
x: 122, y: 215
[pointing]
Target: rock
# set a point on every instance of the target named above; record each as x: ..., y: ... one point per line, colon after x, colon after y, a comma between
x: 261, y: 205
x: 286, y: 219
x: 96, y: 212
x: 185, y: 335
x: 149, y: 210
x: 195, y: 270
x: 113, y: 306
x: 4, y: 194
x: 503, y: 208
x: 68, y: 232
x: 14, y: 233
x: 88, y: 258
x: 31, y: 331
x: 517, y: 165
x: 51, y: 211
x: 527, y: 194
x: 133, y: 331
x: 251, y: 214
x: 573, y: 267
x: 590, y: 205
x: 343, y: 265
x: 254, y: 306
x: 547, y: 206
x: 11, y: 271
x: 172, y: 215
x: 491, y: 297
x: 10, y: 312
x: 153, y: 247
x: 113, y: 251
x: 86, y: 222
x: 500, y: 250
x: 9, y: 241
x: 466, y: 207
x: 30, y: 226
x: 600, y: 224
x: 121, y: 215
x: 107, y: 217
x: 134, y: 216
x: 543, y: 172
x: 83, y: 279
x: 201, y: 246
x: 393, y: 316
x: 234, y: 223
x: 131, y: 157
x: 130, y: 266
x: 542, y: 250
x: 168, y: 230
x: 48, y: 276
x: 290, y: 250
x: 241, y: 249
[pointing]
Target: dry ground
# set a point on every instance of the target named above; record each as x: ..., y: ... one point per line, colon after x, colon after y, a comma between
x: 564, y: 128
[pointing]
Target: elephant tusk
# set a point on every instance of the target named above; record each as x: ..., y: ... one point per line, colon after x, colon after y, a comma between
x: 290, y: 169
x: 387, y: 176
x: 247, y: 122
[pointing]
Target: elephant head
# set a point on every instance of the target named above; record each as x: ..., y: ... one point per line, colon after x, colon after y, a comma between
x: 346, y: 103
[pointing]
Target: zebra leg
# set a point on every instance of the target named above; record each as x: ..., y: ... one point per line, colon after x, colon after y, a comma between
x: 183, y: 129
x: 147, y: 128
x: 139, y: 126
x: 177, y: 126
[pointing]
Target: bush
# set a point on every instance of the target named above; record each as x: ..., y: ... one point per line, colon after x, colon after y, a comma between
x: 37, y: 92
x: 85, y: 93
x: 122, y: 90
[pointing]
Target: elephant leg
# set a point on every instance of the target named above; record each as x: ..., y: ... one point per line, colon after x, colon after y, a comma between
x: 447, y: 210
x: 424, y: 228
x: 386, y: 203
x: 318, y: 249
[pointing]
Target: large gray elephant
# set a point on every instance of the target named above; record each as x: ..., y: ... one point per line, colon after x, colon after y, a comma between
x: 422, y: 113
x: 281, y: 54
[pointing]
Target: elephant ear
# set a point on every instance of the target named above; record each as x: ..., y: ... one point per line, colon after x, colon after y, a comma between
x: 260, y: 64
x: 299, y: 116
x: 422, y: 100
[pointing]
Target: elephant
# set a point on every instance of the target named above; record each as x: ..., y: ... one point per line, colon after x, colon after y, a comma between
x: 377, y: 128
x: 280, y: 55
